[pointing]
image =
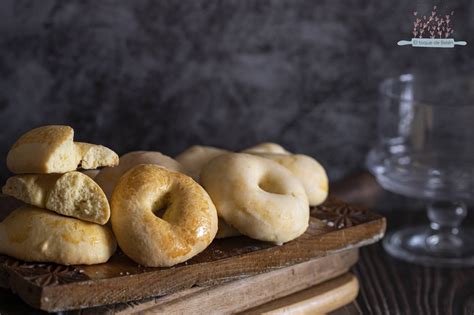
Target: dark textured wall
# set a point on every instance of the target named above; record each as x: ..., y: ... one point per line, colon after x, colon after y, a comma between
x: 162, y: 75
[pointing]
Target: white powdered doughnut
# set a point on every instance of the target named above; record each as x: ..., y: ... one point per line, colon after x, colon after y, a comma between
x: 311, y: 174
x: 257, y: 196
x: 195, y: 157
x: 267, y: 147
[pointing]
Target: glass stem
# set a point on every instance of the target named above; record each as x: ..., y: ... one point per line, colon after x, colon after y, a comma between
x: 445, y: 218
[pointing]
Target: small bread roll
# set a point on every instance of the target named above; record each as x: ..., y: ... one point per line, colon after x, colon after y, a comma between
x: 72, y: 194
x: 267, y: 147
x: 195, y: 157
x: 34, y: 234
x: 108, y: 177
x: 311, y: 174
x: 257, y: 196
x: 51, y: 149
x: 161, y: 218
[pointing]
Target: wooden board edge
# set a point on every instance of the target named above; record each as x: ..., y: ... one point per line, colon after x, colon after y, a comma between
x: 319, y: 299
x: 212, y: 298
x: 28, y: 292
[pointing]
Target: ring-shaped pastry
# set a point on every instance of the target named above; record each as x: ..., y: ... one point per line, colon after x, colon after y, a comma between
x: 311, y: 174
x: 161, y: 218
x: 257, y: 196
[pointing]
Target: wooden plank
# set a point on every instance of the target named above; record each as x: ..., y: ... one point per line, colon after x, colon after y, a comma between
x: 320, y: 299
x: 243, y: 294
x: 228, y: 297
x: 334, y: 227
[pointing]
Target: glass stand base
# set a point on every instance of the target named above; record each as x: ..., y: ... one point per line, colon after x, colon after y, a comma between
x: 421, y: 245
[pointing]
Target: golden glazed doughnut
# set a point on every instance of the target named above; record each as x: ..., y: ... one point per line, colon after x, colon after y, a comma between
x: 34, y: 234
x: 257, y: 196
x: 186, y: 227
x: 195, y: 157
x: 311, y: 174
x: 108, y: 177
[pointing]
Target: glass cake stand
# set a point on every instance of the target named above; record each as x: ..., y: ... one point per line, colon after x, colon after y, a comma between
x: 425, y: 150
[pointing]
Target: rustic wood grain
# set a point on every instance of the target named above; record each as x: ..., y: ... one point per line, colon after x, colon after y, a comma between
x: 241, y: 295
x: 320, y: 299
x: 53, y: 288
x: 233, y: 296
x: 390, y: 286
x: 410, y: 289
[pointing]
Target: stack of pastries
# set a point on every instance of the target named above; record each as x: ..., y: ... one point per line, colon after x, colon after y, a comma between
x: 162, y: 211
x: 64, y: 214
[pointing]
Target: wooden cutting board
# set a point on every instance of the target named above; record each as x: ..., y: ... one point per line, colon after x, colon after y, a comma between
x: 287, y: 286
x: 334, y: 227
x: 240, y: 296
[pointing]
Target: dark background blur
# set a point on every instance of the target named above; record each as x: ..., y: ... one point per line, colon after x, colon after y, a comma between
x: 163, y: 75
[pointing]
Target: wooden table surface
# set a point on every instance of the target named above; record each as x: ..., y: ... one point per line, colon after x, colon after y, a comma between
x: 390, y: 286
x: 387, y: 285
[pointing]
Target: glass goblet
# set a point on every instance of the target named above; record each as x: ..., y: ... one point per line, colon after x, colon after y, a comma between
x: 425, y: 149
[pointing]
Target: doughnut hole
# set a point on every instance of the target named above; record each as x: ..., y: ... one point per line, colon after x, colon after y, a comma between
x: 272, y: 185
x: 162, y: 206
